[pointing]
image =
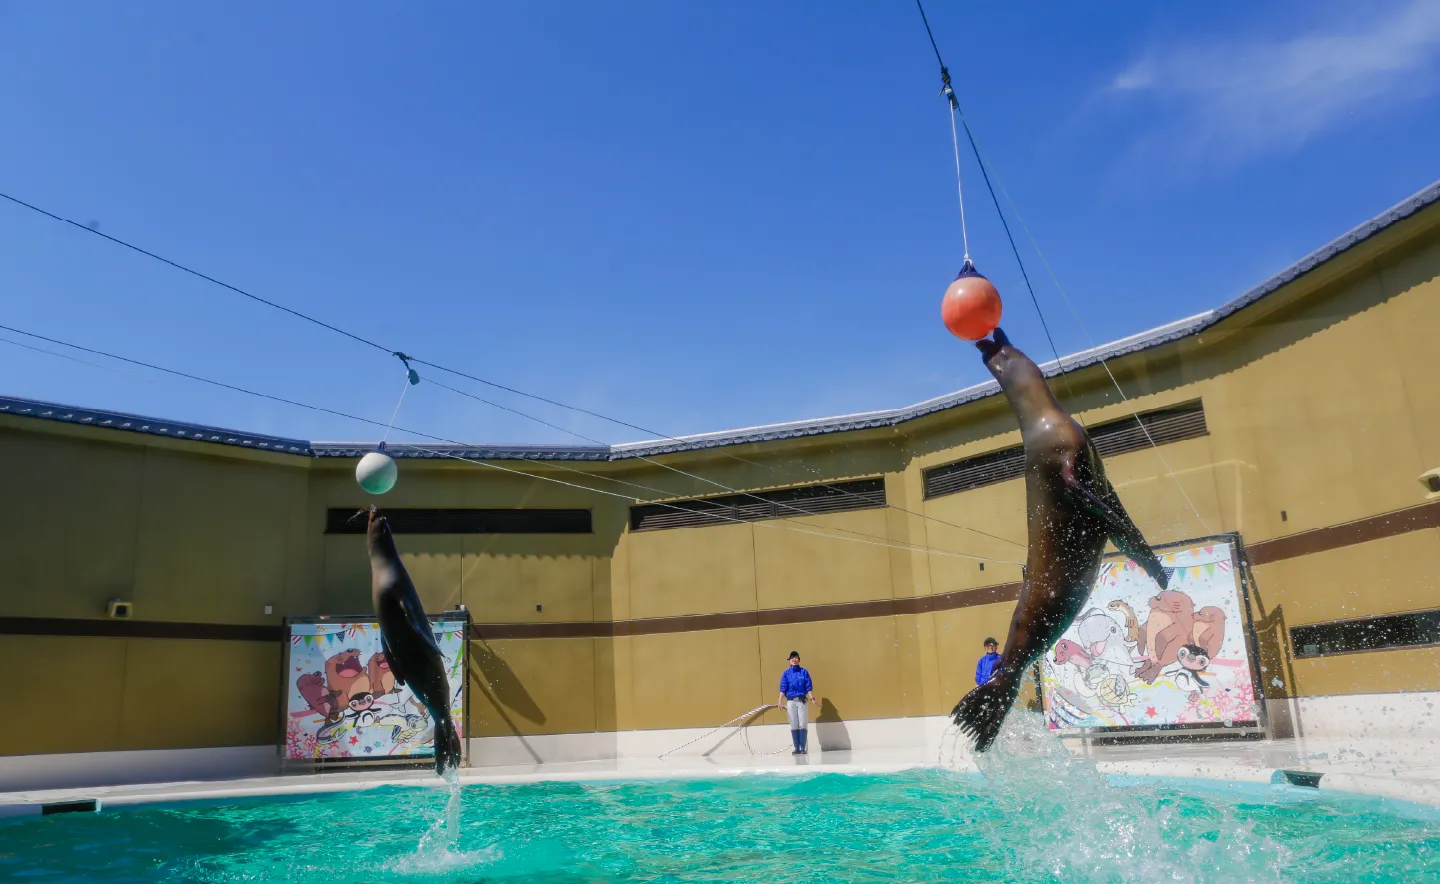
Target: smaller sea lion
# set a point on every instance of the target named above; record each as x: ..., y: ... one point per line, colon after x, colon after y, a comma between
x: 408, y: 641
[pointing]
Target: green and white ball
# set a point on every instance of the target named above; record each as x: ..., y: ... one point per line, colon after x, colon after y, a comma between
x: 376, y: 472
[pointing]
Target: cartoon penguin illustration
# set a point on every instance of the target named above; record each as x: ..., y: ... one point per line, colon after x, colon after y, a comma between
x: 1189, y: 666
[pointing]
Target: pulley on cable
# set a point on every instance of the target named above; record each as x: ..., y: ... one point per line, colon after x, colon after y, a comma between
x: 376, y: 473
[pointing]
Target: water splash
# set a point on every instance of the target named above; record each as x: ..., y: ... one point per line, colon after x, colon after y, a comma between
x: 438, y: 851
x: 1098, y: 831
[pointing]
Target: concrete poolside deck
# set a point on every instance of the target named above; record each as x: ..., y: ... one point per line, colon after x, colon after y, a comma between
x: 1401, y: 769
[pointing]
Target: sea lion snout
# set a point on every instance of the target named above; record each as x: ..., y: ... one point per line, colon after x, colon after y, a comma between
x: 994, y: 352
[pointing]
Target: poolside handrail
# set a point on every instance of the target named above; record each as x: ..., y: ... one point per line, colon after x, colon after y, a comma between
x: 739, y: 718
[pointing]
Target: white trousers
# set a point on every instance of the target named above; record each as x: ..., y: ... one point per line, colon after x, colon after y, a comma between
x: 799, y: 712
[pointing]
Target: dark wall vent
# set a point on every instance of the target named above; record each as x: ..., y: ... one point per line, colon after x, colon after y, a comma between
x: 1116, y: 437
x: 465, y: 521
x: 1370, y: 634
x: 836, y: 497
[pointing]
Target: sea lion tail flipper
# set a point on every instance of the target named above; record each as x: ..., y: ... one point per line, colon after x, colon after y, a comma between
x: 981, y: 712
x: 447, y: 746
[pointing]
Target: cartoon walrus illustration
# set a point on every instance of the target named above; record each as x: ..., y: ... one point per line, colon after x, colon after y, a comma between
x: 408, y: 641
x: 347, y: 680
x: 1072, y: 510
x: 1174, y: 622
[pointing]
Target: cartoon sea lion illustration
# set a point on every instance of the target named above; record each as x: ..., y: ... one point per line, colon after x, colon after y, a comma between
x: 1067, y: 651
x: 317, y: 696
x: 382, y: 680
x: 1209, y: 630
x: 1072, y: 511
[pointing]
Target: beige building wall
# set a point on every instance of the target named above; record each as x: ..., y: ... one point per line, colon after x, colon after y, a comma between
x: 1322, y: 412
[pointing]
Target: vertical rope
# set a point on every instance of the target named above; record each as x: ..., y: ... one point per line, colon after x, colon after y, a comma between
x: 959, y: 188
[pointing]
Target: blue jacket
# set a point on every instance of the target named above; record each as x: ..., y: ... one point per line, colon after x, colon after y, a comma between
x: 795, y: 682
x: 985, y: 668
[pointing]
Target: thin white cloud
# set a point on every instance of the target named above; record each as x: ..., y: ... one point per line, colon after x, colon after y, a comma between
x: 1245, y: 96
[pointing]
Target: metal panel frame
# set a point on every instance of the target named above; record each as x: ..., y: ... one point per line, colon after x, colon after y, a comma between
x: 1243, y: 581
x: 316, y: 765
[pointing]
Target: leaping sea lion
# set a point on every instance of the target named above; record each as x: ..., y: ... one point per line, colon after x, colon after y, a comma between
x: 1071, y: 511
x: 407, y: 640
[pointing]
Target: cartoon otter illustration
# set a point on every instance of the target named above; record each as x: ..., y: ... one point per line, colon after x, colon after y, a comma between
x: 1132, y: 623
x: 348, y: 681
x: 382, y: 680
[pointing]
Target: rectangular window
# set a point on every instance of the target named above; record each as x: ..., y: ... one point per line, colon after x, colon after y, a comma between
x: 1370, y: 634
x: 835, y: 497
x: 464, y: 521
x: 1163, y: 425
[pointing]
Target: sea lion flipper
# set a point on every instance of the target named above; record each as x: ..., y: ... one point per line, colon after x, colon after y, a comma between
x: 980, y: 713
x: 394, y: 664
x: 1122, y: 532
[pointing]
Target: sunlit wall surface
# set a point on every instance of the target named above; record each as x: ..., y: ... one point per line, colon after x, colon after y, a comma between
x: 1305, y: 418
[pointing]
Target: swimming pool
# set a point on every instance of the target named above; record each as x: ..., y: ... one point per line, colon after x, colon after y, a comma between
x: 920, y: 825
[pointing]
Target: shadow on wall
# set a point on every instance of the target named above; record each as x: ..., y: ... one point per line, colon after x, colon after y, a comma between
x: 1277, y: 675
x: 503, y: 685
x: 830, y: 728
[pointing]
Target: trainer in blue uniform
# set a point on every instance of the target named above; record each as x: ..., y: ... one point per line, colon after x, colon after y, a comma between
x: 986, y: 666
x: 796, y: 689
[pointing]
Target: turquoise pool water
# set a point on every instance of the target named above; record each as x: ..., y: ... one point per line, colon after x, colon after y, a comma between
x: 924, y: 825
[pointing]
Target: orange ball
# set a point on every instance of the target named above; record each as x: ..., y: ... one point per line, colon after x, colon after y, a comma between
x: 971, y: 307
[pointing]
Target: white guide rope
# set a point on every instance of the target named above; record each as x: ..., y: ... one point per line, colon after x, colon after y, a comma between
x: 738, y: 721
x: 959, y: 188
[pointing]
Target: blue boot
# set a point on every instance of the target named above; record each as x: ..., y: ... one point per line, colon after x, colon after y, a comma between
x: 804, y: 740
x: 797, y: 737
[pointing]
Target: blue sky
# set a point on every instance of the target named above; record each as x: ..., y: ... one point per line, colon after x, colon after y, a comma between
x: 692, y: 216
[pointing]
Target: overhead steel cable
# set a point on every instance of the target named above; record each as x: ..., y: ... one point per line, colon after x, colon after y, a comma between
x: 948, y: 91
x: 877, y: 541
x: 456, y: 372
x: 677, y: 470
x: 986, y: 170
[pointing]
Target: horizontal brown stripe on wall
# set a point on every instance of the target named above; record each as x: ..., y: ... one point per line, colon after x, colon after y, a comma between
x: 1266, y: 551
x: 241, y: 632
x: 986, y: 595
x: 1348, y: 534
